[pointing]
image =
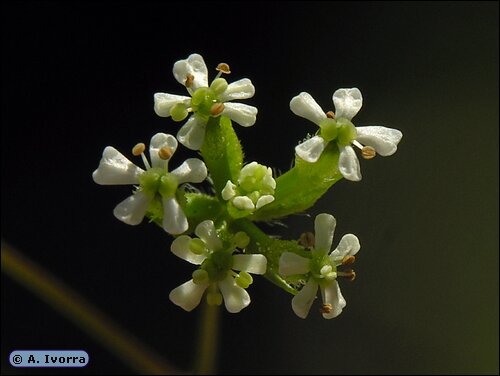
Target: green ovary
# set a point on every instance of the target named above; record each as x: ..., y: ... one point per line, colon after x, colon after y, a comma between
x: 317, y: 263
x: 346, y: 132
x: 156, y: 180
x: 329, y: 130
x: 217, y: 265
x: 202, y: 101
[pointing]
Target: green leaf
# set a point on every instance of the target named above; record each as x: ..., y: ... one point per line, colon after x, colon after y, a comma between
x: 300, y: 187
x: 222, y: 152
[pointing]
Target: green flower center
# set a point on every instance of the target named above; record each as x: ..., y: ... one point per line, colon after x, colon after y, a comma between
x: 156, y: 180
x: 322, y: 269
x: 218, y: 264
x: 341, y: 130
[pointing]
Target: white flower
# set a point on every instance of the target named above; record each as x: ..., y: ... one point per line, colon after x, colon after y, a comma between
x: 347, y: 103
x: 255, y: 188
x: 217, y: 263
x: 321, y: 269
x: 155, y: 183
x: 205, y: 101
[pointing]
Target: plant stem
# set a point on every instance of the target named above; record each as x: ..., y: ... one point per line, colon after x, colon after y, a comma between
x: 208, y: 340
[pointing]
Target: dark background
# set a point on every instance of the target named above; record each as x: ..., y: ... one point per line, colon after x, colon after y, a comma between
x: 78, y: 77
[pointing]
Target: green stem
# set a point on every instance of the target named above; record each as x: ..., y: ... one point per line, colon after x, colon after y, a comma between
x: 207, y: 341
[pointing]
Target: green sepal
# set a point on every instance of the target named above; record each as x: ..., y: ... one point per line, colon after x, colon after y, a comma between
x: 222, y: 152
x: 300, y: 187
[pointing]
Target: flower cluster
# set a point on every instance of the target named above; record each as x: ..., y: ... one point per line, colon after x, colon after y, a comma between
x: 228, y: 246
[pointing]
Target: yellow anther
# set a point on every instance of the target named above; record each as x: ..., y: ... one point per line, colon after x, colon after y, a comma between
x: 326, y: 308
x: 348, y: 260
x: 224, y: 68
x: 330, y: 115
x: 368, y: 152
x: 138, y: 149
x: 189, y: 80
x: 348, y: 274
x: 217, y: 108
x: 307, y: 240
x: 165, y: 153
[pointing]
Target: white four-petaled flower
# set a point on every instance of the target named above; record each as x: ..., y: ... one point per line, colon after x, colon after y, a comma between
x: 321, y: 269
x: 217, y: 263
x: 347, y: 103
x: 192, y: 73
x: 154, y: 182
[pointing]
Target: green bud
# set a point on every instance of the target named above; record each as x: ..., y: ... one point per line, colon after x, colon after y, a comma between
x: 168, y: 185
x: 218, y: 86
x: 178, y: 112
x: 200, y: 277
x: 329, y: 129
x: 197, y: 246
x: 346, y: 132
x: 241, y: 239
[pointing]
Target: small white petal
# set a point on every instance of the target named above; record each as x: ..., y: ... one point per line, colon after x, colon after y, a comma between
x: 331, y: 295
x: 305, y: 106
x: 310, y: 150
x: 292, y: 264
x: 255, y: 264
x: 235, y: 297
x: 180, y: 248
x: 188, y: 295
x: 132, y: 209
x: 192, y: 134
x: 194, y: 65
x: 241, y: 89
x: 243, y: 114
x: 174, y: 219
x: 243, y: 203
x: 164, y: 103
x: 383, y: 140
x: 114, y: 168
x: 206, y: 232
x: 158, y: 141
x: 229, y: 190
x: 192, y: 170
x: 324, y: 228
x: 347, y: 103
x: 264, y: 200
x: 301, y: 303
x: 349, y: 164
x: 348, y: 246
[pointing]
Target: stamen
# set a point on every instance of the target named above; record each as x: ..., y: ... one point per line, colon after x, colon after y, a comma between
x: 217, y: 108
x: 349, y: 274
x: 307, y: 240
x: 326, y: 308
x: 224, y: 68
x: 348, y: 260
x: 138, y: 149
x: 165, y: 153
x: 368, y: 152
x: 358, y: 145
x: 330, y: 115
x: 189, y: 80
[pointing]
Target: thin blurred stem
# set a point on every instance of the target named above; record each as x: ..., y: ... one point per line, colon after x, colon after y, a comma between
x: 82, y: 313
x: 208, y: 340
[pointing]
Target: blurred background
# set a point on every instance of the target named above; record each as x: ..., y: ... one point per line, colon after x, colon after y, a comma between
x: 79, y: 77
